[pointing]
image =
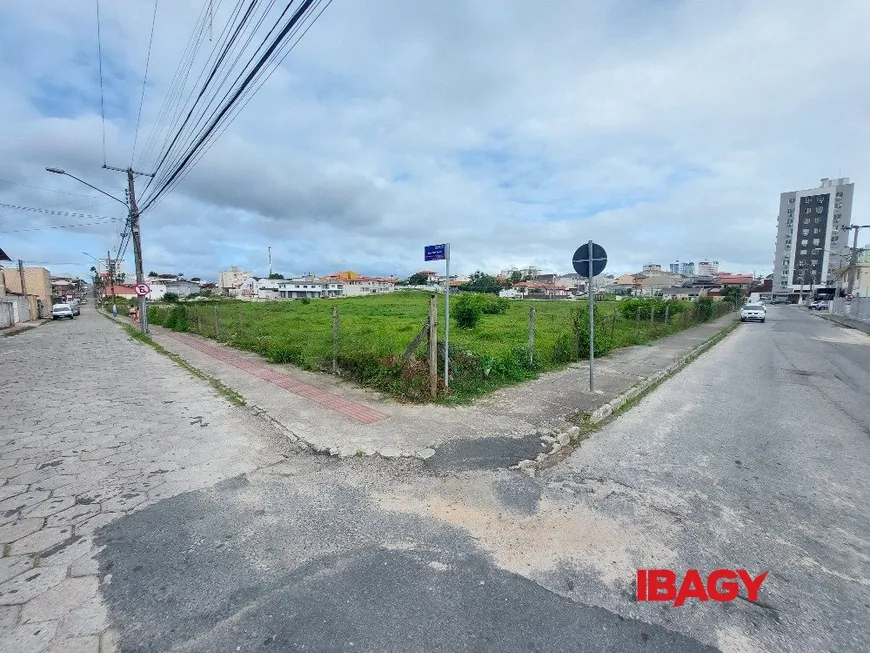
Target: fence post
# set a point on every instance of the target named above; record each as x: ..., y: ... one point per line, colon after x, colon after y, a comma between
x: 667, y: 313
x: 335, y: 339
x: 433, y: 347
x: 532, y: 335
x: 217, y: 324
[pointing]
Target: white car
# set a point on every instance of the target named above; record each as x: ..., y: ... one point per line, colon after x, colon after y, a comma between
x: 59, y: 311
x: 753, y: 313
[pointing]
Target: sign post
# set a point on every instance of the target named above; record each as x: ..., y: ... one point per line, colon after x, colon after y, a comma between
x: 589, y: 261
x: 442, y: 253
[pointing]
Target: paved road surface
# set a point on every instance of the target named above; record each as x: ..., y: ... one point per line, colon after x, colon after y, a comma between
x: 755, y: 456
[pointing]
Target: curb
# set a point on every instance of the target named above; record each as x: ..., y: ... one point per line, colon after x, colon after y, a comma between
x: 842, y: 323
x: 562, y: 438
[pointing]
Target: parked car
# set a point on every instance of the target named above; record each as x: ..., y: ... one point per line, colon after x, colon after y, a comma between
x: 59, y: 311
x: 815, y: 306
x: 74, y: 305
x: 823, y: 305
x: 753, y: 313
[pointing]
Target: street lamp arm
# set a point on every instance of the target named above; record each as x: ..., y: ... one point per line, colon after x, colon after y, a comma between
x: 59, y: 171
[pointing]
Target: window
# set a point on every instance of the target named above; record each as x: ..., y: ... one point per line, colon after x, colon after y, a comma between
x: 818, y: 220
x: 819, y: 209
x: 836, y: 217
x: 804, y: 242
x: 816, y: 241
x: 839, y: 194
x: 805, y: 232
x: 803, y: 252
x: 808, y: 210
x: 791, y: 211
x: 816, y: 230
x: 820, y: 198
x: 814, y: 262
x: 791, y: 199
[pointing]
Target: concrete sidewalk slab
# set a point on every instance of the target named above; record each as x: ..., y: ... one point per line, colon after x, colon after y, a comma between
x: 335, y: 416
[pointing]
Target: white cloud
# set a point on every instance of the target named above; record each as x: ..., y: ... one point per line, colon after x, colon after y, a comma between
x: 514, y: 130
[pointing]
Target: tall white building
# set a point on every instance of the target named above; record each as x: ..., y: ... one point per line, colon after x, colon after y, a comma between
x: 810, y: 244
x: 708, y: 268
x: 652, y: 268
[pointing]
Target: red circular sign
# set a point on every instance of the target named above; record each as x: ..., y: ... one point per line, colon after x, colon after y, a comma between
x: 142, y: 289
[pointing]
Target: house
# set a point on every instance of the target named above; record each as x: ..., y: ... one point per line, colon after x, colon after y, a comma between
x: 542, y: 290
x: 259, y: 288
x: 35, y: 291
x: 630, y: 281
x: 354, y: 285
x: 744, y: 281
x: 122, y: 290
x: 682, y: 293
x: 431, y: 277
x: 652, y: 283
x: 182, y: 288
x: 310, y: 287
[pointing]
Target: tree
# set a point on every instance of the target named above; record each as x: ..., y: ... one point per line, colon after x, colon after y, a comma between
x: 170, y: 297
x: 275, y: 275
x: 418, y: 279
x: 516, y: 276
x: 482, y: 283
x: 196, y: 279
x: 733, y: 294
x: 153, y: 274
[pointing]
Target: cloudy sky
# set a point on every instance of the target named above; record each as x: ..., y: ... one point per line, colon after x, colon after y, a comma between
x: 513, y: 130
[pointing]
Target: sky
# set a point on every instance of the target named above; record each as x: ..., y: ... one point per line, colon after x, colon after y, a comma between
x: 515, y: 131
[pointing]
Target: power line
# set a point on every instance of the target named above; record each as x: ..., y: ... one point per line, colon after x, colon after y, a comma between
x: 179, y: 82
x: 144, y: 82
x: 47, y: 190
x: 285, y: 50
x: 61, y: 226
x: 102, y: 97
x: 193, y: 153
x: 53, y: 212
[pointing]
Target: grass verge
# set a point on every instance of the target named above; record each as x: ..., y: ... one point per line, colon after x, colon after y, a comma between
x: 221, y: 388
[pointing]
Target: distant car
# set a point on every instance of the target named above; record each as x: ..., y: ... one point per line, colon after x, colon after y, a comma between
x: 823, y: 305
x: 753, y: 313
x: 59, y: 311
x: 816, y: 305
x: 74, y: 305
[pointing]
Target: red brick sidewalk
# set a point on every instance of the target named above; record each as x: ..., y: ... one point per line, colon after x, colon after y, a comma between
x: 358, y: 412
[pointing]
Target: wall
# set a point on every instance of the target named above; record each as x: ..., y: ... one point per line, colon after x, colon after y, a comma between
x: 37, y: 280
x: 858, y: 308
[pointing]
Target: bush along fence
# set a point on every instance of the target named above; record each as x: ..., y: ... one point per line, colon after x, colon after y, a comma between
x: 493, y: 341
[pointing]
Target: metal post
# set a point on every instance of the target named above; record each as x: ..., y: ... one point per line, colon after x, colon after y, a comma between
x: 447, y: 321
x: 335, y: 339
x: 591, y: 325
x: 532, y: 335
x: 433, y: 346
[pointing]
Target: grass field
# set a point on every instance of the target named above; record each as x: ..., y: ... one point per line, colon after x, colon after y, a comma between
x: 375, y: 331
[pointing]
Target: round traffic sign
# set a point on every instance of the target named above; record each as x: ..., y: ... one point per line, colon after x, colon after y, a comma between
x: 581, y: 260
x: 142, y: 289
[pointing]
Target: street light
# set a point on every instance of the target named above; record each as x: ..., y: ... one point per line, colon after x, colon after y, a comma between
x: 61, y: 171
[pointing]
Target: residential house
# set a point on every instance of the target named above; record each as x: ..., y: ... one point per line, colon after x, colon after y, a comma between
x: 259, y: 288
x: 354, y: 284
x: 630, y: 282
x: 744, y: 281
x: 682, y: 293
x: 36, y: 290
x: 180, y: 287
x: 537, y: 289
x: 310, y: 287
x: 431, y: 277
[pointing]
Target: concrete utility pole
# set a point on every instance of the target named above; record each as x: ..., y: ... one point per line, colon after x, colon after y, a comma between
x: 136, y: 237
x: 853, y: 260
x: 112, y: 280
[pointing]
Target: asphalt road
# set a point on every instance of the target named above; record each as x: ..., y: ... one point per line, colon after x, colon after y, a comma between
x: 754, y: 457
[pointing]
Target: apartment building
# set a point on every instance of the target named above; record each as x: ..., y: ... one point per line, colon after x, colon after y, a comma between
x: 708, y: 268
x: 810, y: 245
x: 232, y: 279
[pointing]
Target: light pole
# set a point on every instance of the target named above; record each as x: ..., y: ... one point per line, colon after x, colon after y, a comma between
x: 133, y: 220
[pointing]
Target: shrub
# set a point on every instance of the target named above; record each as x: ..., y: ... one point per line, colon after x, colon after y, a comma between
x: 305, y: 300
x: 705, y: 309
x: 177, y: 318
x: 493, y: 305
x: 467, y: 311
x: 170, y: 297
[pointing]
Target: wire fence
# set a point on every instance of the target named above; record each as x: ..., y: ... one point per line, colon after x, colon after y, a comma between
x: 371, y: 344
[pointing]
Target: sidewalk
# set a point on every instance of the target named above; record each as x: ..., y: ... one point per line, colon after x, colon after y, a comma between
x: 852, y: 323
x: 22, y: 326
x: 335, y: 416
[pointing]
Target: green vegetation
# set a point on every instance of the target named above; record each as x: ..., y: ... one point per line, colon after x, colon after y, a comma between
x: 375, y: 331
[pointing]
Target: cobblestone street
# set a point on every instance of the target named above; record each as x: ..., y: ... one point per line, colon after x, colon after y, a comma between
x: 93, y: 426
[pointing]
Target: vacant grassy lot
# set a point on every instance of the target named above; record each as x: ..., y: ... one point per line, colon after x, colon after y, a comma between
x: 375, y: 331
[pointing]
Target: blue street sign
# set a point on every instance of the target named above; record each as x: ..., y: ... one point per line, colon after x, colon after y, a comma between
x: 581, y: 260
x: 435, y: 252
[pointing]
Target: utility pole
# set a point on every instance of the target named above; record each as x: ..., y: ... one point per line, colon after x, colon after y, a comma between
x: 23, y: 285
x: 137, y: 240
x: 270, y: 262
x: 112, y: 280
x: 853, y: 260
